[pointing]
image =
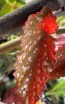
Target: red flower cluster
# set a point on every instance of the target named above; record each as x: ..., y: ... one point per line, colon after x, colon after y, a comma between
x: 49, y: 24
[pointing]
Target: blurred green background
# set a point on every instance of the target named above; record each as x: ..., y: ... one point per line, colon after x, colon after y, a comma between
x: 55, y: 92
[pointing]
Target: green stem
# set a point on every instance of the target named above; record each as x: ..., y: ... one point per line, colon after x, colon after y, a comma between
x: 61, y: 30
x: 10, y: 45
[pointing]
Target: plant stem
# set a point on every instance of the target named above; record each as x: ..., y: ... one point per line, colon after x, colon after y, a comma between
x: 10, y: 45
x: 61, y: 30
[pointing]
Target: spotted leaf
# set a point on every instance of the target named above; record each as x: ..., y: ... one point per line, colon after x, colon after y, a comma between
x: 36, y: 58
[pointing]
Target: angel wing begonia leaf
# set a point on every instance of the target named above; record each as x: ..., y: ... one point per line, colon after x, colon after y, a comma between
x: 59, y: 70
x: 36, y: 58
x: 11, y: 97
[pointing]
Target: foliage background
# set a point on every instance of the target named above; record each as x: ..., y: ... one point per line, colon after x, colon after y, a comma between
x: 55, y: 91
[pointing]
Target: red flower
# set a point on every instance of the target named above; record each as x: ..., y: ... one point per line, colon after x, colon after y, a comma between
x: 49, y: 24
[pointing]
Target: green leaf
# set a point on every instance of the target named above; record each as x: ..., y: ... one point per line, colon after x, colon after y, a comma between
x: 9, y: 6
x: 6, y: 1
x: 58, y: 89
x: 5, y: 9
x: 61, y: 20
x: 12, y: 37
